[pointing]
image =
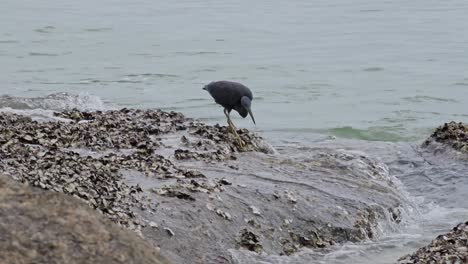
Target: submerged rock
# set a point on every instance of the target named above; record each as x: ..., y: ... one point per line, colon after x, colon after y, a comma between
x: 37, y: 226
x: 448, y: 248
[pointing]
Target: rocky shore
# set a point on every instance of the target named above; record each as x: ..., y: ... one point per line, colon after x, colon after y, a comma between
x: 447, y: 248
x: 187, y: 188
x: 451, y: 247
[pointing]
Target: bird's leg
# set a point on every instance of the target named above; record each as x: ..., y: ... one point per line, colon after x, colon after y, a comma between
x: 230, y: 123
x: 233, y: 129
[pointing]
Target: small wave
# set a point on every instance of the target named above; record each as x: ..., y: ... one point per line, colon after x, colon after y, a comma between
x: 159, y: 75
x: 52, y: 83
x: 370, y: 10
x: 371, y: 134
x: 148, y: 55
x: 8, y: 41
x: 35, y: 114
x: 56, y: 101
x: 43, y: 54
x: 98, y: 29
x: 46, y: 29
x: 129, y: 78
x: 373, y: 69
x: 87, y: 81
x: 425, y: 98
x: 194, y: 53
x: 204, y: 70
x: 239, y: 78
x: 40, y: 70
x: 128, y: 81
x: 193, y: 100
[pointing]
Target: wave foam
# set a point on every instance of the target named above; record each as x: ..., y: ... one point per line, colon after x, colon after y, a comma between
x: 56, y: 101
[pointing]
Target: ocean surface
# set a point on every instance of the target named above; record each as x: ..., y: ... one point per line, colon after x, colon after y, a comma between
x: 377, y: 75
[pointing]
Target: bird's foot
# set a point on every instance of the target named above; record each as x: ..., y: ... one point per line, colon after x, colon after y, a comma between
x: 240, y: 143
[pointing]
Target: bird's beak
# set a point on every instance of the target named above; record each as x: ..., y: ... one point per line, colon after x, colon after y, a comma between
x: 251, y: 115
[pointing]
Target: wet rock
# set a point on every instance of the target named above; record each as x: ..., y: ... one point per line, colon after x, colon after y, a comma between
x: 254, y: 210
x: 153, y: 224
x: 220, y: 134
x: 224, y: 181
x: 182, y: 188
x: 38, y: 226
x: 169, y: 231
x: 309, y: 239
x: 94, y: 180
x: 249, y: 241
x: 366, y: 222
x: 223, y: 214
x: 276, y: 195
x: 452, y: 134
x: 90, y: 157
x: 253, y: 223
x: 173, y: 192
x: 193, y: 174
x: 290, y: 196
x: 218, y: 155
x: 447, y: 248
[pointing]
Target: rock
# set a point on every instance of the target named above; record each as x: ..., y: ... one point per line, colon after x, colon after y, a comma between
x: 224, y: 181
x: 172, y: 192
x: 451, y: 134
x: 250, y: 241
x: 187, y: 163
x: 253, y: 223
x: 223, y: 214
x: 290, y: 196
x: 38, y: 226
x: 169, y: 231
x: 447, y: 248
x: 254, y: 210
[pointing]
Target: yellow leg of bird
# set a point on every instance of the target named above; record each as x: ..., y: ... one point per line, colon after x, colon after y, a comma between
x: 226, y: 113
x: 240, y: 142
x: 233, y: 129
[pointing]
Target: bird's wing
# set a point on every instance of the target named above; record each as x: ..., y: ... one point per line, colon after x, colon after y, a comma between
x: 224, y: 93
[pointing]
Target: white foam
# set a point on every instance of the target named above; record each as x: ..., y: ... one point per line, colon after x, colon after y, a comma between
x: 56, y: 101
x: 43, y: 108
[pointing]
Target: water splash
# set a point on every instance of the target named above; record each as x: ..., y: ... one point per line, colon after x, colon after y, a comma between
x: 43, y: 108
x: 56, y: 101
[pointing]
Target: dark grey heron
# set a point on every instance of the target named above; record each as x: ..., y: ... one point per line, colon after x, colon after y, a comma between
x: 232, y: 95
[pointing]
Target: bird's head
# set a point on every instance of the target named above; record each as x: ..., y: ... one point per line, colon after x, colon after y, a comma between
x: 246, y: 103
x: 207, y: 87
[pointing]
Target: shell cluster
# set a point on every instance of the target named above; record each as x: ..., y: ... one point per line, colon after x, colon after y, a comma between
x: 452, y: 134
x: 84, y: 156
x: 448, y: 248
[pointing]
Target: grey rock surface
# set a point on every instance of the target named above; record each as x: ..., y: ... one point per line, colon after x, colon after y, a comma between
x: 188, y: 188
x: 38, y: 226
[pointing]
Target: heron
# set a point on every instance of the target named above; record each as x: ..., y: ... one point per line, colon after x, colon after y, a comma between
x: 232, y: 95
